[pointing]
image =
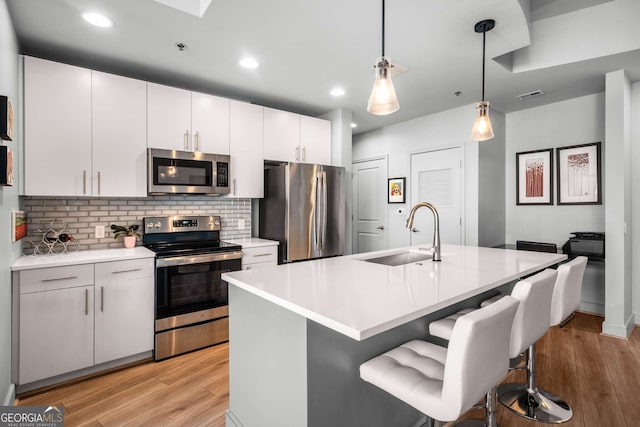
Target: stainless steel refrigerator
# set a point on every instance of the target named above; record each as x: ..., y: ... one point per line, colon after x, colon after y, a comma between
x: 303, y: 208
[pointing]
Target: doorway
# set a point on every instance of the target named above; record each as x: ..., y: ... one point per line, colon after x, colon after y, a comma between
x: 369, y: 205
x: 436, y: 178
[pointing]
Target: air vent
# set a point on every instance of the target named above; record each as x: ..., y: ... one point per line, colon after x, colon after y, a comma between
x: 530, y: 95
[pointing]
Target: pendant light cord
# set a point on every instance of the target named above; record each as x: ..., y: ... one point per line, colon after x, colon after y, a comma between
x: 383, y: 28
x: 484, y: 42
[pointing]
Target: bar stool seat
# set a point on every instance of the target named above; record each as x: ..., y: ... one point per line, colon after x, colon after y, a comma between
x: 445, y: 382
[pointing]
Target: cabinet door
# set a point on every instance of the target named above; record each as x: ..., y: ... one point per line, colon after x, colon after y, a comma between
x: 247, y: 161
x: 124, y: 309
x: 119, y: 136
x: 168, y: 117
x: 315, y: 140
x: 57, y: 129
x: 56, y: 332
x: 209, y: 123
x: 281, y: 135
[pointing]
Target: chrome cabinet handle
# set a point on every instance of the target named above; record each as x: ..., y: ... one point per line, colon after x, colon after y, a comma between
x: 380, y: 227
x: 98, y: 183
x: 234, y: 186
x: 186, y: 140
x: 196, y: 139
x: 266, y: 254
x: 304, y: 154
x: 86, y: 302
x: 101, y: 298
x: 53, y: 279
x: 84, y: 182
x: 126, y: 271
x: 297, y: 153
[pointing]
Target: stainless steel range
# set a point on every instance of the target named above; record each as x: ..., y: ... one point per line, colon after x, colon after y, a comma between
x: 191, y: 297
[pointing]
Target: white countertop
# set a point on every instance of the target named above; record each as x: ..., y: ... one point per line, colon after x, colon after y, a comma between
x: 361, y: 299
x: 29, y: 262
x: 253, y: 242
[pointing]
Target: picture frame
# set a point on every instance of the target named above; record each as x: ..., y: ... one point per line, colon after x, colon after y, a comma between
x: 6, y: 118
x: 18, y: 225
x: 579, y: 174
x: 396, y: 190
x: 534, y: 177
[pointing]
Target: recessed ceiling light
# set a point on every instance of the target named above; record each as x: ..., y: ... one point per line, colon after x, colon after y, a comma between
x: 249, y: 63
x: 354, y: 125
x: 337, y: 91
x: 97, y: 19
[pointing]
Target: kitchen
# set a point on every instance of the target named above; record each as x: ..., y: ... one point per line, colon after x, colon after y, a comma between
x: 567, y: 120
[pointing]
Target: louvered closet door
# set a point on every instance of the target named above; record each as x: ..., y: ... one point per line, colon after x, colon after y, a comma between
x: 436, y: 177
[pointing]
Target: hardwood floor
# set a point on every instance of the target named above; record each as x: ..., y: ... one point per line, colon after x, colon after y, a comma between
x: 597, y: 375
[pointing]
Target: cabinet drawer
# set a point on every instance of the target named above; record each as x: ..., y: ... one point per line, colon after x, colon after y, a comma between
x: 260, y: 254
x: 257, y: 265
x: 130, y: 269
x: 48, y: 279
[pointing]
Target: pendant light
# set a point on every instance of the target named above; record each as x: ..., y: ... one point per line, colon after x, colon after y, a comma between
x: 383, y: 99
x: 482, y: 129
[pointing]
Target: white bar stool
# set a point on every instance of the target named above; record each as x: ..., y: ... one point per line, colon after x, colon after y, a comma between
x: 532, y: 318
x: 527, y: 400
x: 442, y: 383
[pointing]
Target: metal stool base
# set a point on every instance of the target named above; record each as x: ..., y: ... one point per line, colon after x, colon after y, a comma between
x: 536, y: 404
x: 471, y: 423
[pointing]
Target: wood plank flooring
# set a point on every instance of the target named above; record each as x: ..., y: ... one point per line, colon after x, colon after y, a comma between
x: 597, y: 375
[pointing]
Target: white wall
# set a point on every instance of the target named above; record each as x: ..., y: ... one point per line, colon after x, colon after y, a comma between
x: 635, y: 207
x: 442, y: 130
x: 9, y: 252
x: 571, y: 122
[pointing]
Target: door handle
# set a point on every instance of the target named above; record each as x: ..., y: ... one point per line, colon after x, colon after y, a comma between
x: 101, y: 298
x: 186, y: 140
x: 415, y: 230
x: 380, y: 227
x: 196, y: 142
x: 86, y: 302
x: 84, y: 182
x: 98, y: 183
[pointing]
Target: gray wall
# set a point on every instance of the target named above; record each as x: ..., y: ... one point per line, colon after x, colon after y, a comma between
x: 9, y: 251
x: 572, y: 122
x: 82, y: 214
x: 449, y: 128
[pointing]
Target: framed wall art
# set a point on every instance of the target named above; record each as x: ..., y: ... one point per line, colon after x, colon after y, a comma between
x: 534, y: 177
x: 396, y: 189
x: 18, y: 225
x: 579, y: 174
x: 6, y: 119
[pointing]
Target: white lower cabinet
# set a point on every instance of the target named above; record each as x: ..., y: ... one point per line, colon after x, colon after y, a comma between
x: 78, y: 316
x: 124, y: 309
x: 259, y: 257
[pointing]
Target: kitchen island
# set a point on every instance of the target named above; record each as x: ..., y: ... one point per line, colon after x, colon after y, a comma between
x: 299, y: 332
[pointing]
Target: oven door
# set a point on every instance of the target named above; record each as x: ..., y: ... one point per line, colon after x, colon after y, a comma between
x: 189, y: 284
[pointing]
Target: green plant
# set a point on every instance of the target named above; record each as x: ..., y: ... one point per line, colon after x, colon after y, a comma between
x: 131, y: 230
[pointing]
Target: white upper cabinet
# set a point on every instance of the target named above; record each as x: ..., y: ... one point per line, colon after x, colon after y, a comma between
x: 209, y: 123
x: 315, y: 140
x: 281, y: 135
x: 168, y: 118
x: 246, y: 145
x: 187, y: 121
x: 57, y: 129
x: 119, y: 136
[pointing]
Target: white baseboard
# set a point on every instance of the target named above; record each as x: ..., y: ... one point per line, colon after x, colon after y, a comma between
x: 591, y: 307
x: 10, y: 398
x: 231, y: 420
x: 637, y: 319
x: 618, y: 330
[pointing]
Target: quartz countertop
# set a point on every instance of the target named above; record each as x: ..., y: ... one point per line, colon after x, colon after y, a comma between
x: 30, y: 262
x: 361, y: 299
x: 253, y: 242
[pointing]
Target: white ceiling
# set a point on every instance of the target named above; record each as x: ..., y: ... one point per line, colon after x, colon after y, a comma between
x: 307, y: 47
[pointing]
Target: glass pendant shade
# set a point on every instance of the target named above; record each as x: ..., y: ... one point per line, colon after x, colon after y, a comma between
x: 482, y: 129
x: 383, y: 99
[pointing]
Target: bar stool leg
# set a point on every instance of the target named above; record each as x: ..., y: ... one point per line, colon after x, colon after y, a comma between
x: 533, y: 403
x: 491, y: 412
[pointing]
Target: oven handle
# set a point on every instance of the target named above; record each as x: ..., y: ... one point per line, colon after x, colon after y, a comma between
x: 198, y: 259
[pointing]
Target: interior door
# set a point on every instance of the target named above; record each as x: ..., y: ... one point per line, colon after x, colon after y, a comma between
x: 436, y: 178
x: 369, y: 205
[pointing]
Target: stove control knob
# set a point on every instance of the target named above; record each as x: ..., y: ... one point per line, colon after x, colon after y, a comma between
x: 216, y: 222
x: 157, y: 224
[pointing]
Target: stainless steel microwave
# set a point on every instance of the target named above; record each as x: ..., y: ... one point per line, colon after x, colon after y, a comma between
x: 187, y: 172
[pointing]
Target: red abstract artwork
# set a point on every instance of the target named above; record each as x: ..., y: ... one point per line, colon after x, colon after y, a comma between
x: 534, y: 175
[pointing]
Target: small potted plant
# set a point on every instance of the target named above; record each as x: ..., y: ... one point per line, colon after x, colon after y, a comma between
x: 130, y: 234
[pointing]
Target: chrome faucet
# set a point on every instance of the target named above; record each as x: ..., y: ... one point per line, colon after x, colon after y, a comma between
x: 436, y: 227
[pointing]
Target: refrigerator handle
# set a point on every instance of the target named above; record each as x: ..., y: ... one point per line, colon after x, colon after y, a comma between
x: 324, y: 209
x: 316, y: 208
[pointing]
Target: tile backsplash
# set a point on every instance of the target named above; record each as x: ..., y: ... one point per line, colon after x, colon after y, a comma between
x: 80, y: 215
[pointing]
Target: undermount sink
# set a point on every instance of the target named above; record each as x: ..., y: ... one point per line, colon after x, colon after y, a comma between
x: 400, y: 258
